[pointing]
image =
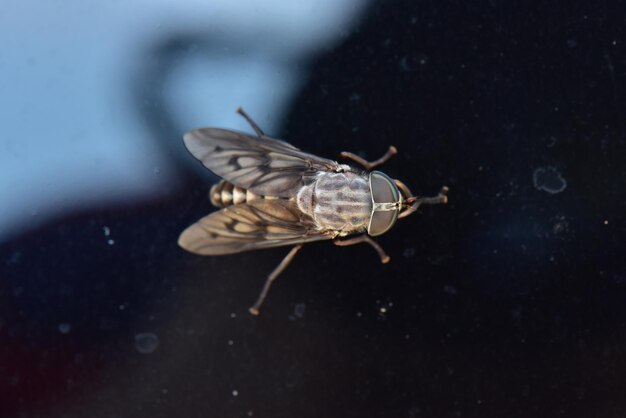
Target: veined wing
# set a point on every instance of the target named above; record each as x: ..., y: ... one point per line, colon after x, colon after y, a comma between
x: 258, y: 224
x: 263, y: 165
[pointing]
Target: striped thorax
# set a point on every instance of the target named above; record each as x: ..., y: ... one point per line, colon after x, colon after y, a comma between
x: 338, y: 201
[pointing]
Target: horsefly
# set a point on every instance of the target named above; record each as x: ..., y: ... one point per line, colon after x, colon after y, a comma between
x: 272, y: 194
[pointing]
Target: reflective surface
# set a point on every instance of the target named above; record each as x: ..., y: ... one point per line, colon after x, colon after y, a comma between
x: 508, y: 301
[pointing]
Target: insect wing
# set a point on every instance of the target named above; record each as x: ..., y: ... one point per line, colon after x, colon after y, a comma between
x: 263, y: 165
x: 250, y: 226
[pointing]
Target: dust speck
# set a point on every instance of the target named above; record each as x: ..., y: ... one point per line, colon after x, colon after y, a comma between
x: 548, y: 179
x: 107, y: 233
x: 409, y: 252
x: 355, y: 97
x: 560, y: 224
x: 235, y: 393
x: 15, y: 258
x: 64, y: 328
x: 451, y: 290
x: 383, y: 308
x: 146, y: 342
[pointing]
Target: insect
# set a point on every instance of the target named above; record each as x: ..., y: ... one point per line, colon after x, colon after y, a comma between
x: 272, y: 194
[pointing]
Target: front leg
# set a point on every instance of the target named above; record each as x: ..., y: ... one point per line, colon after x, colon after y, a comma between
x: 368, y: 165
x: 384, y: 258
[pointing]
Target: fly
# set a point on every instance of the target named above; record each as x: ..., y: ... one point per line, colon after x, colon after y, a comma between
x: 272, y: 194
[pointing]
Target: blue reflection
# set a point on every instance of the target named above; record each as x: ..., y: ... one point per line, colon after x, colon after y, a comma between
x: 95, y: 96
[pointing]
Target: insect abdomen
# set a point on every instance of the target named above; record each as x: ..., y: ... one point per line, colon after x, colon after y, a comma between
x: 226, y: 194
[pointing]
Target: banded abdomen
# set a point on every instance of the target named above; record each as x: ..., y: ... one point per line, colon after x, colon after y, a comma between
x: 338, y: 201
x: 226, y: 194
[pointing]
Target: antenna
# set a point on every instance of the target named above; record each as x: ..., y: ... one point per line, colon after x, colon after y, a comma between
x: 411, y: 203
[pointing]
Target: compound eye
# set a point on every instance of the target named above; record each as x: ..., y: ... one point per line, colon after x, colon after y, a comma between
x: 384, y: 189
x: 381, y: 222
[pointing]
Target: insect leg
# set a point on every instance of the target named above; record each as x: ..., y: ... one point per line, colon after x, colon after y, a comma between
x: 384, y: 258
x: 368, y: 165
x: 254, y: 309
x: 252, y: 123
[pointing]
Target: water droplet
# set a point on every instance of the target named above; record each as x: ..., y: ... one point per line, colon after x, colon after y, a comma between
x: 106, y: 230
x: 299, y: 310
x: 548, y: 179
x: 146, y: 342
x: 410, y: 63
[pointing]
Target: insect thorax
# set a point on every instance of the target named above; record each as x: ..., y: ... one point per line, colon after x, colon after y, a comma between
x: 337, y: 201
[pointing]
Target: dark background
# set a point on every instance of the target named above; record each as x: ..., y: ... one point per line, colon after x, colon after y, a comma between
x: 509, y: 301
